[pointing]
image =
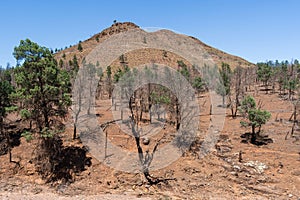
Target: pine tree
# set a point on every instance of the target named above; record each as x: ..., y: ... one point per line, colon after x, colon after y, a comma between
x: 254, y: 117
x: 79, y: 47
x: 264, y: 73
x: 5, y: 103
x: 43, y: 87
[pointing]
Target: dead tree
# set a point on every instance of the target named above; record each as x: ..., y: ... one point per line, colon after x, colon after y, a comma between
x: 77, y: 101
x: 234, y: 97
x: 295, y: 121
x: 149, y: 102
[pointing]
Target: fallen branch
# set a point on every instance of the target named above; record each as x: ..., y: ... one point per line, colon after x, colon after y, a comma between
x: 104, y: 125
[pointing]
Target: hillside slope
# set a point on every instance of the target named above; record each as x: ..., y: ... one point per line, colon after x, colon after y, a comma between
x: 88, y: 45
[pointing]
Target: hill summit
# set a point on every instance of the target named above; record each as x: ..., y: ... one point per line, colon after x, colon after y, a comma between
x: 88, y: 45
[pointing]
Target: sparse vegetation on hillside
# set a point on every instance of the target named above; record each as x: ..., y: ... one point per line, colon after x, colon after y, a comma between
x: 255, y: 116
x: 263, y: 98
x: 223, y: 88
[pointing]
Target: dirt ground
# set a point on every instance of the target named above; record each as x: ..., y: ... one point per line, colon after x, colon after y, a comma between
x: 265, y: 172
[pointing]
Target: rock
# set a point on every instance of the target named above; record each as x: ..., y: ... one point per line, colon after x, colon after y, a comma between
x: 290, y: 195
x: 236, y: 167
x: 258, y: 166
x: 146, y: 141
x: 234, y: 173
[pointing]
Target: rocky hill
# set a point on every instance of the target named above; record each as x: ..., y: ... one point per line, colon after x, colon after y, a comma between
x: 143, y: 55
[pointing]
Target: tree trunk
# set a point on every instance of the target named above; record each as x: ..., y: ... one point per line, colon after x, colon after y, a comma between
x: 177, y: 115
x: 294, y: 114
x: 141, y: 110
x: 235, y: 111
x: 74, y: 131
x: 109, y: 89
x: 76, y: 118
x: 9, y: 152
x: 149, y: 102
x: 231, y: 107
x: 105, y: 147
x: 295, y: 120
x: 131, y: 108
x: 253, y: 135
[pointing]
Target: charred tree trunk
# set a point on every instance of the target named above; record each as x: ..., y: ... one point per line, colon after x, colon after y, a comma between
x: 178, y: 117
x: 294, y: 120
x: 77, y: 114
x: 74, y: 131
x: 231, y: 106
x: 149, y: 102
x: 253, y: 134
x: 131, y: 108
x: 294, y: 114
x: 141, y: 110
x: 75, y: 123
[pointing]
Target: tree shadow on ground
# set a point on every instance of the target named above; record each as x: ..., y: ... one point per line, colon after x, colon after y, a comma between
x: 265, y: 89
x: 259, y: 141
x: 56, y: 162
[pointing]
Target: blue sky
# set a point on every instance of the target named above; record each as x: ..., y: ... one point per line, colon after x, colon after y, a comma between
x: 257, y: 30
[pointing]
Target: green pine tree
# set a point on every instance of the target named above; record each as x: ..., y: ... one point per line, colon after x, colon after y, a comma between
x: 43, y: 87
x: 6, y: 105
x: 79, y: 47
x: 253, y: 117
